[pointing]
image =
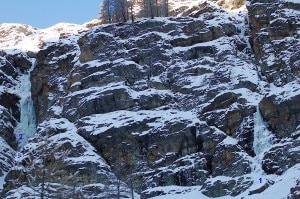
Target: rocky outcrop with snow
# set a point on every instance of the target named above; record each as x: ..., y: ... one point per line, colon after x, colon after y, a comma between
x: 190, y: 105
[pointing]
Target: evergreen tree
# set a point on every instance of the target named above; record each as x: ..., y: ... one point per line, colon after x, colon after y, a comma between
x: 120, y: 10
x: 106, y: 12
x: 114, y: 11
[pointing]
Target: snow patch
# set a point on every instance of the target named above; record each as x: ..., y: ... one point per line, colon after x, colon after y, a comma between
x: 100, y: 123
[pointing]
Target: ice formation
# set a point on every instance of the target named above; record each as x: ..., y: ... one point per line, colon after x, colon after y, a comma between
x: 27, y: 126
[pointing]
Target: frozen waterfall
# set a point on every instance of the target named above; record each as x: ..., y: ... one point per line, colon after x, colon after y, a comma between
x: 262, y: 137
x: 26, y: 129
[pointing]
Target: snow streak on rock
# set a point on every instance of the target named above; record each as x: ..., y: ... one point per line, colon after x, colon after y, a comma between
x: 5, y: 160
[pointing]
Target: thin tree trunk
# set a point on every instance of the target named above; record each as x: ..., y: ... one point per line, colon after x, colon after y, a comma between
x: 109, y: 11
x: 127, y: 12
x: 156, y: 7
x: 131, y: 10
x: 166, y: 8
x: 131, y: 187
x: 124, y: 13
x: 118, y: 187
x: 151, y: 9
x: 43, y: 184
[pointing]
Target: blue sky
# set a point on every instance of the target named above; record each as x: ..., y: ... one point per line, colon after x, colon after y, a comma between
x: 45, y: 13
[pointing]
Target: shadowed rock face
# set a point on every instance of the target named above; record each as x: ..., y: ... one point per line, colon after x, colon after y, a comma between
x: 283, y: 117
x: 9, y: 112
x: 275, y: 37
x: 281, y: 158
x: 161, y: 102
x: 9, y: 101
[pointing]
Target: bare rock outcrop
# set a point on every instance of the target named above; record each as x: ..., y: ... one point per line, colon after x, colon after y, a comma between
x: 275, y: 38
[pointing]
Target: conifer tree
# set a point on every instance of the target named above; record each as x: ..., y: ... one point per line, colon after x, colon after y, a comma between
x: 114, y: 11
x: 106, y: 12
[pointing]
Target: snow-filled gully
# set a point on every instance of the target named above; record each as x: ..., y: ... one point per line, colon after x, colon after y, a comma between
x: 26, y: 128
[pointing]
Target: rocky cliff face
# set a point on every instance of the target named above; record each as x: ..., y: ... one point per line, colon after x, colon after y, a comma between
x: 199, y: 106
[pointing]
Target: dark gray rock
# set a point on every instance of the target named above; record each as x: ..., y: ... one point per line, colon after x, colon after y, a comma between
x: 60, y: 151
x: 220, y: 112
x: 204, y: 35
x: 229, y: 160
x: 160, y: 149
x: 11, y: 103
x: 208, y: 140
x: 19, y: 60
x: 53, y: 66
x: 295, y: 191
x: 7, y: 156
x: 245, y: 134
x: 261, y: 188
x: 274, y: 35
x: 7, y: 68
x: 8, y: 123
x: 148, y: 102
x: 101, y: 102
x: 282, y: 157
x: 232, y: 187
x: 282, y: 115
x: 186, y: 171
